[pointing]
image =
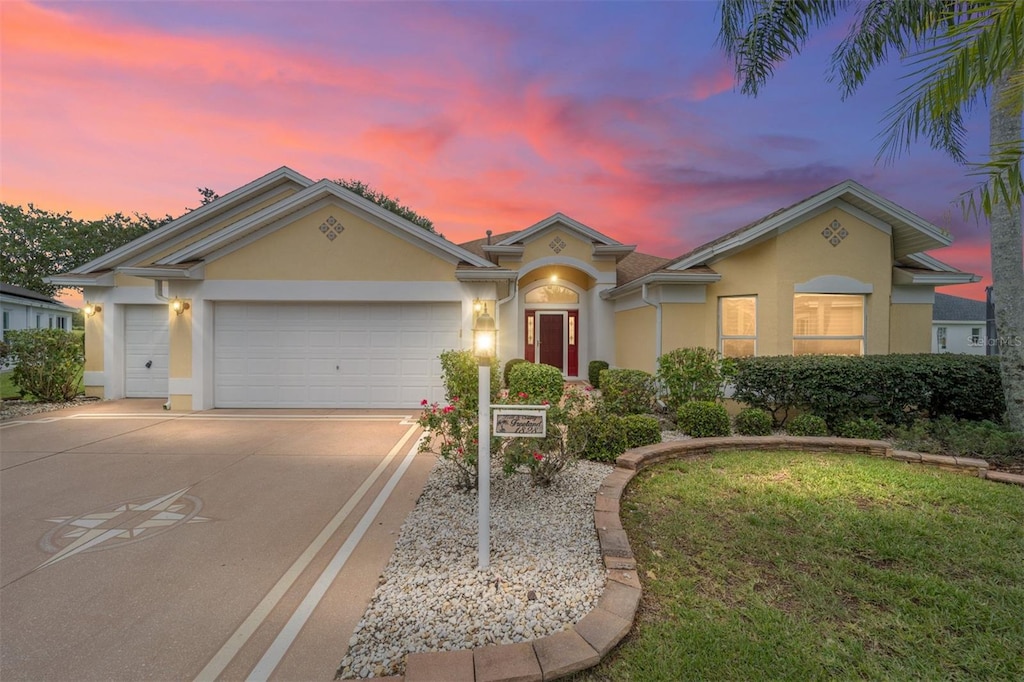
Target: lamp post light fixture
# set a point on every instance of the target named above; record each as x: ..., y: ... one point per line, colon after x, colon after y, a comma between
x: 179, y: 306
x: 484, y: 337
x: 91, y: 309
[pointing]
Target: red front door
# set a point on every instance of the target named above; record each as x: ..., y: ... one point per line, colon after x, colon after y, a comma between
x: 552, y: 340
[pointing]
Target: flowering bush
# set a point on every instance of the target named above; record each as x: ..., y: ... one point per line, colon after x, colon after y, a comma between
x: 452, y: 432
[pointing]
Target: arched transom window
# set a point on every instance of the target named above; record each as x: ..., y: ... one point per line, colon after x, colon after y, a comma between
x: 552, y: 293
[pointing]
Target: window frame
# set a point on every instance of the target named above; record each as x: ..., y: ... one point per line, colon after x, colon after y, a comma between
x: 862, y: 337
x: 723, y: 337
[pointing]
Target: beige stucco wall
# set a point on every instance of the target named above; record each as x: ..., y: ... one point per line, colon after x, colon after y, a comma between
x: 575, y: 247
x: 634, y: 338
x: 562, y: 272
x: 683, y: 326
x: 211, y: 227
x: 94, y: 343
x: 910, y: 328
x: 362, y: 252
x: 771, y: 270
x: 180, y: 330
x: 122, y: 280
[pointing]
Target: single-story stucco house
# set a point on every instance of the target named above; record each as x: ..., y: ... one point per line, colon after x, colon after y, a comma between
x: 26, y: 309
x: 959, y: 325
x: 290, y: 292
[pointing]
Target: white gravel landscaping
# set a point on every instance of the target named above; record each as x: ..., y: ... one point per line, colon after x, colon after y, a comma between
x: 545, y: 574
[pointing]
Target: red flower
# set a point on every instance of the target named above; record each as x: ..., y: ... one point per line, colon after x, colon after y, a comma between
x: 448, y: 408
x: 524, y: 395
x: 590, y: 388
x: 537, y: 456
x: 424, y: 402
x: 545, y: 402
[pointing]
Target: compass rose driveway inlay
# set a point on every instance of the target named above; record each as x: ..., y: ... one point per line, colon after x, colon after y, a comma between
x: 139, y: 544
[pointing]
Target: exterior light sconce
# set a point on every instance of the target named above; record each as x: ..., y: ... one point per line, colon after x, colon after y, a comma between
x: 484, y: 333
x: 91, y: 309
x: 179, y: 306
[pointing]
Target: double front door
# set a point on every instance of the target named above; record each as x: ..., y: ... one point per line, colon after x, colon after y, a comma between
x: 552, y: 338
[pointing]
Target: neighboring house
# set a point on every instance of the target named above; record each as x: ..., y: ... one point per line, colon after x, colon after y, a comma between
x: 293, y: 293
x: 958, y: 325
x: 26, y: 309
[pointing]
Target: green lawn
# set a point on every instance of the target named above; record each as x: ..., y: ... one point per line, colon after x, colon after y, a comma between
x: 793, y: 566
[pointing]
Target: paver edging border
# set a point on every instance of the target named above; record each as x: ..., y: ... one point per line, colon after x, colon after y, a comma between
x: 584, y: 644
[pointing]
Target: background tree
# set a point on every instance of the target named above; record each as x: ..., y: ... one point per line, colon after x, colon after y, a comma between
x: 958, y: 53
x: 36, y: 243
x: 394, y: 205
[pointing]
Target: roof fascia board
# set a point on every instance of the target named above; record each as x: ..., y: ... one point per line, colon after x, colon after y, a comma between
x: 14, y: 299
x: 192, y: 218
x: 101, y: 279
x: 485, y: 275
x: 196, y: 272
x: 614, y: 252
x: 930, y: 262
x: 499, y: 250
x: 933, y: 279
x: 662, y: 278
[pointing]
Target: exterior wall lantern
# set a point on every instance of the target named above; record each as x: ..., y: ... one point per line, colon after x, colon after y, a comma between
x: 91, y: 309
x: 179, y: 306
x: 484, y: 337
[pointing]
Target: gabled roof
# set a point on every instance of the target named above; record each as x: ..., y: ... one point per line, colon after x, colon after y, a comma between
x: 558, y: 218
x: 30, y: 296
x: 166, y: 234
x: 214, y: 244
x: 189, y: 251
x: 956, y: 309
x: 911, y: 234
x: 512, y: 243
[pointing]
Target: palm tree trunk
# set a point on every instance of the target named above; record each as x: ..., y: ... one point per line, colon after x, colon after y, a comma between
x: 1007, y: 260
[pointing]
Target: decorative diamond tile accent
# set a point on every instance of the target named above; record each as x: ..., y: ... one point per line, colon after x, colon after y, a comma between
x: 835, y: 233
x: 557, y: 244
x: 331, y: 228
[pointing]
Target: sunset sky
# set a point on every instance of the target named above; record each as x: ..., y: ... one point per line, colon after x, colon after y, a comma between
x: 478, y: 115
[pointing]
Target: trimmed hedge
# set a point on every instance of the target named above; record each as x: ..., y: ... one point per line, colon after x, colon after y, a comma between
x: 893, y: 388
x: 594, y: 370
x: 703, y: 419
x: 508, y: 368
x: 870, y: 429
x: 603, y: 438
x: 807, y: 425
x: 752, y: 421
x: 628, y: 391
x: 641, y: 429
x: 538, y: 381
x: 460, y: 370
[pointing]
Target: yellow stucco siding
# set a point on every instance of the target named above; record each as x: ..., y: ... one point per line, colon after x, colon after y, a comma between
x: 910, y: 328
x: 752, y: 272
x: 684, y: 325
x: 540, y: 246
x: 181, y: 402
x: 94, y: 343
x: 864, y: 255
x: 564, y: 273
x: 362, y: 252
x: 180, y: 360
x: 122, y: 280
x: 210, y: 228
x: 771, y: 271
x: 634, y: 338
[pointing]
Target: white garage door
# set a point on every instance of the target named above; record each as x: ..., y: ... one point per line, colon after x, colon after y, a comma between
x: 145, y: 351
x: 331, y: 354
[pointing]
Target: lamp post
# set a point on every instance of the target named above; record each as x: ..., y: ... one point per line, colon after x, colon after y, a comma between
x: 484, y: 337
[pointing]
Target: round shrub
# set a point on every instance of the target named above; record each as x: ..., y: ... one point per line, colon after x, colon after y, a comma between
x: 641, y: 429
x: 703, y: 419
x: 509, y: 365
x: 807, y: 425
x: 537, y: 381
x: 597, y: 438
x: 628, y: 391
x: 870, y: 429
x: 594, y: 372
x: 753, y: 421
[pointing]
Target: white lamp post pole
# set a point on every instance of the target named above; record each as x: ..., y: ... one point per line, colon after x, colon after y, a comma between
x: 484, y: 340
x: 484, y: 467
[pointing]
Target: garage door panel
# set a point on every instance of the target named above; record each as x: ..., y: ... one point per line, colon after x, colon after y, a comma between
x: 331, y: 355
x: 146, y: 351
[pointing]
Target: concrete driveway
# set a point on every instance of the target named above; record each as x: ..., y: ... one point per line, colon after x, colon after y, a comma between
x: 137, y: 544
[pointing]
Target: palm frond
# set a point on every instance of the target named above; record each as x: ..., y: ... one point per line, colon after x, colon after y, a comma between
x: 760, y: 34
x: 1003, y: 182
